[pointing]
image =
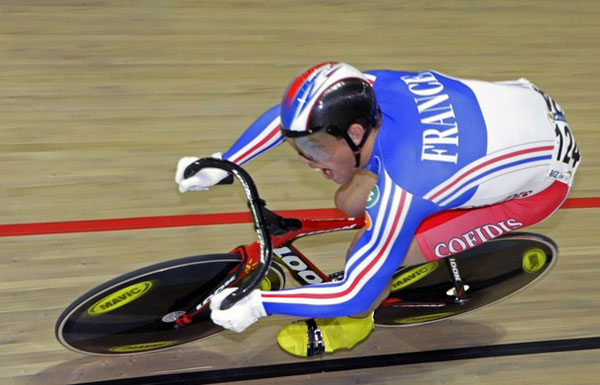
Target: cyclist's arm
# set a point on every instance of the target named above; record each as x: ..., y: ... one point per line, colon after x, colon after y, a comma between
x: 262, y: 135
x: 370, y: 265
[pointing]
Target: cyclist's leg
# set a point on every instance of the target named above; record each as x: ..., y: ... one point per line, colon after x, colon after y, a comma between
x: 326, y: 335
x: 451, y: 232
x: 384, y: 294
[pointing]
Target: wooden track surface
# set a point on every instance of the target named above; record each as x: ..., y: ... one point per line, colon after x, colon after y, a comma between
x: 99, y: 99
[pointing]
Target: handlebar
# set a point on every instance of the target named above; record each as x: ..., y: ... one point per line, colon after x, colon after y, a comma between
x: 260, y: 224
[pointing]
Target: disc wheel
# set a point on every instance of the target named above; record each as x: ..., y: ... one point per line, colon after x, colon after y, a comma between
x: 491, y: 272
x: 135, y: 313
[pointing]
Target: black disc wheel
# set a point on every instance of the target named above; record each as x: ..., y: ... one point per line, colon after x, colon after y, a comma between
x: 135, y: 313
x: 490, y: 272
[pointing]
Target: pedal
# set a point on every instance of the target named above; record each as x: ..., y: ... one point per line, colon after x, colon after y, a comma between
x: 452, y: 292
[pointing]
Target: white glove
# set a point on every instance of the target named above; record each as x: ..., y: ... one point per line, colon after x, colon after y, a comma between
x: 202, y: 180
x: 241, y: 315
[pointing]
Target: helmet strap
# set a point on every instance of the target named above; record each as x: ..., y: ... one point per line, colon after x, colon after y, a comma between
x: 356, y: 149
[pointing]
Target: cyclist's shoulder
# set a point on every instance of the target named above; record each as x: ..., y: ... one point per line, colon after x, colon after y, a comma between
x: 382, y: 77
x: 431, y: 127
x: 400, y: 155
x: 428, y: 86
x: 386, y: 80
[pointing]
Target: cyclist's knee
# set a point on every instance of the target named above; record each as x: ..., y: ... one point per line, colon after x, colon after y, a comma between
x: 344, y: 202
x: 351, y: 198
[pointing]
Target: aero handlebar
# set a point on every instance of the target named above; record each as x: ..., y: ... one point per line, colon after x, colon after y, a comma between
x: 260, y: 224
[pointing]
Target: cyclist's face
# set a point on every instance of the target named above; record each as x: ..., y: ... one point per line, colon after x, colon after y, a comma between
x: 326, y: 153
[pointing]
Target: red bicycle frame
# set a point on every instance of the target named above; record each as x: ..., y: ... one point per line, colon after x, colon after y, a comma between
x: 299, y: 265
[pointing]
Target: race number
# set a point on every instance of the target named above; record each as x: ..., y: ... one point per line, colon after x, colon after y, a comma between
x: 566, y: 157
x: 568, y: 152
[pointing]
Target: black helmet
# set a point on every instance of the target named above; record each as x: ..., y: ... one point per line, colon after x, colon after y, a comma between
x: 329, y: 96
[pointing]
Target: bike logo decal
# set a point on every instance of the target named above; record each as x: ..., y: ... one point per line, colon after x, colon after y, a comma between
x: 373, y: 197
x: 141, y: 347
x: 423, y: 318
x: 454, y: 268
x: 413, y: 275
x: 533, y: 260
x: 120, y: 298
x: 297, y: 265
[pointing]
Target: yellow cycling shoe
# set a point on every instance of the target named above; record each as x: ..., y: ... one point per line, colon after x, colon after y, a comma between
x: 324, y: 335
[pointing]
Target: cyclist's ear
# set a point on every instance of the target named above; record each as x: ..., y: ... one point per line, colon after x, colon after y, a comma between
x: 356, y: 132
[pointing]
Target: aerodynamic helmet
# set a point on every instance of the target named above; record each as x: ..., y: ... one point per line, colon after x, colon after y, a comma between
x: 329, y: 96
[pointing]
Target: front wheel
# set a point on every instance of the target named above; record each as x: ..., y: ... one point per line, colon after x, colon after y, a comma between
x: 135, y: 312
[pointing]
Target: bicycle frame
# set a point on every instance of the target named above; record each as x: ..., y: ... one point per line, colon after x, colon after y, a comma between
x: 283, y: 232
x: 300, y: 267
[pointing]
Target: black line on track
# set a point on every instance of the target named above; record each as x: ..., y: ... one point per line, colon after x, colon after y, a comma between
x: 340, y: 364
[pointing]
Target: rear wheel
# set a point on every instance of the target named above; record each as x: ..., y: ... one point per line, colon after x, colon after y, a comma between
x: 135, y: 312
x: 491, y: 272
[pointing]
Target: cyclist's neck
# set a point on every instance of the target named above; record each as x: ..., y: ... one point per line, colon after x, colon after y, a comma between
x: 367, y: 148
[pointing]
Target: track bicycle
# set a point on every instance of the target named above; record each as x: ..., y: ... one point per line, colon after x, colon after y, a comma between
x: 167, y: 304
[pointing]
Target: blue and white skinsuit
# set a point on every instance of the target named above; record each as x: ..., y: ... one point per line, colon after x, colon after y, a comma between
x: 444, y: 143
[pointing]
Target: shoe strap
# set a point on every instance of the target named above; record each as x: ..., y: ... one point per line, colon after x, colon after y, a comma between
x: 316, y: 345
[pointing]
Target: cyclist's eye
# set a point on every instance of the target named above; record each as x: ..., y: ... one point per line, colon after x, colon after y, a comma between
x: 309, y: 158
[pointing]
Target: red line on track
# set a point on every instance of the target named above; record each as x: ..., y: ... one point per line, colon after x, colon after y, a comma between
x: 580, y: 203
x: 192, y: 220
x: 152, y: 222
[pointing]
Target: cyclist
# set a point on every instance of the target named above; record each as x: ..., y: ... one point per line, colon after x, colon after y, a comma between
x: 478, y: 159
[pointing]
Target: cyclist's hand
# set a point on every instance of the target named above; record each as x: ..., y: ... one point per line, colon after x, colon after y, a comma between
x: 241, y: 315
x: 202, y: 180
